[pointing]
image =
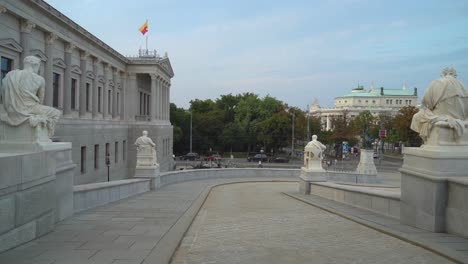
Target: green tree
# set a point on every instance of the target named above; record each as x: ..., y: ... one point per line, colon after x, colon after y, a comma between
x: 402, y: 126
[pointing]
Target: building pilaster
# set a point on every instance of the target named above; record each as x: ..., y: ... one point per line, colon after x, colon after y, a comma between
x: 48, y: 69
x: 83, y: 57
x: 67, y: 80
x: 25, y: 39
x: 95, y: 108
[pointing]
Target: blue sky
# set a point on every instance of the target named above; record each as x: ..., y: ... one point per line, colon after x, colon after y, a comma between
x: 292, y: 50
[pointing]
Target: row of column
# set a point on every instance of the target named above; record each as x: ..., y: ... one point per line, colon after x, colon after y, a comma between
x: 117, y: 99
x: 160, y: 99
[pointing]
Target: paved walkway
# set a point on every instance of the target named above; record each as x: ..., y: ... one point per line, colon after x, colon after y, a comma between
x: 148, y: 228
x: 256, y: 223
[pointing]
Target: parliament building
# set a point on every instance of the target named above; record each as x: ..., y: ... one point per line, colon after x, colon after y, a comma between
x: 106, y: 99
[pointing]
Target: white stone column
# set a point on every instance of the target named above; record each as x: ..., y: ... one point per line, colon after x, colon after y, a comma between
x: 165, y: 101
x: 49, y: 87
x: 115, y: 112
x: 153, y: 97
x: 133, y: 105
x: 25, y: 39
x: 328, y: 123
x: 83, y: 57
x: 67, y: 80
x: 156, y: 98
x: 168, y: 102
x: 123, y: 94
x: 95, y: 88
x: 105, y: 91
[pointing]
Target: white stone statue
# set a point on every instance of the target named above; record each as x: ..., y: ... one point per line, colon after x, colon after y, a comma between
x: 313, y: 154
x: 23, y: 95
x: 146, y: 152
x: 445, y: 104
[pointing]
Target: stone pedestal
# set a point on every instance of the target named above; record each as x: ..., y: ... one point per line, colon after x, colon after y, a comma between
x: 36, y: 190
x: 310, y: 175
x: 23, y: 137
x: 149, y: 172
x: 424, y: 191
x: 366, y: 163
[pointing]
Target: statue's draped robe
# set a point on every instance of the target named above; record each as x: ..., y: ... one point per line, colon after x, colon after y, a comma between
x: 444, y: 100
x: 145, y: 144
x: 20, y: 90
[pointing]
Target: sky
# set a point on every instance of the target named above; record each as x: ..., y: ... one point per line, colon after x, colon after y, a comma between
x: 294, y: 50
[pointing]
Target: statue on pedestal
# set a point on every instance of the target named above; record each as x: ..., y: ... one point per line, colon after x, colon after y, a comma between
x: 367, y: 138
x: 445, y: 104
x: 23, y: 95
x: 313, y: 154
x: 146, y: 152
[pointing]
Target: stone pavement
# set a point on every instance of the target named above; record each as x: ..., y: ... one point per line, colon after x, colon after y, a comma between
x: 146, y: 228
x: 256, y: 223
x: 451, y: 246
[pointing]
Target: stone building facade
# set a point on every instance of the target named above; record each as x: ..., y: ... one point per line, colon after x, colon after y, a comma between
x: 377, y: 101
x: 106, y: 99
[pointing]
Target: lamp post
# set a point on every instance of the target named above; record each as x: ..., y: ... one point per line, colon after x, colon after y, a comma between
x: 308, y: 124
x: 108, y: 165
x: 292, y: 138
x: 190, y: 131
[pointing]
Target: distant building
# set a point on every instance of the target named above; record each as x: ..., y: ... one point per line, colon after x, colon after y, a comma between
x: 377, y: 101
x: 106, y: 98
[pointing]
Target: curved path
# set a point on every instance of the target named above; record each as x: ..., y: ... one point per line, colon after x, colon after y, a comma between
x: 256, y: 223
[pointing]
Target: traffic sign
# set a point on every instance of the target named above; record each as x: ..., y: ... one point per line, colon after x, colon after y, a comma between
x: 383, y: 133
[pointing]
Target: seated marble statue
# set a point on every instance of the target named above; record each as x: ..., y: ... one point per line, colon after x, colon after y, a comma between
x: 445, y: 104
x: 23, y: 95
x: 316, y: 147
x: 146, y: 152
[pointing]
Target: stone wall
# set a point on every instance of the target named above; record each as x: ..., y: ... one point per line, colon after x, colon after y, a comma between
x: 457, y: 207
x: 88, y: 196
x: 35, y: 192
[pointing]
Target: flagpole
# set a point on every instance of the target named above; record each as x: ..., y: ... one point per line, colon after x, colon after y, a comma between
x: 147, y: 37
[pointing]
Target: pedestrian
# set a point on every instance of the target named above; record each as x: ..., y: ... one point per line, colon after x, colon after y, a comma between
x: 260, y: 164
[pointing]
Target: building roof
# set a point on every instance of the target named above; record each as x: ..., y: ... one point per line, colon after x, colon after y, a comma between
x: 376, y: 92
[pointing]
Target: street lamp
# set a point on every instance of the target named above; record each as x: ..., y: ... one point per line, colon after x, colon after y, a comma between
x: 190, y: 131
x: 292, y: 138
x: 308, y: 126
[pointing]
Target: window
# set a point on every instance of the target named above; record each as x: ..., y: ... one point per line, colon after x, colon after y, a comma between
x: 147, y: 104
x: 109, y: 101
x: 73, y: 93
x: 367, y: 101
x: 141, y: 103
x: 96, y: 156
x: 118, y: 103
x: 83, y: 160
x: 99, y: 99
x: 116, y: 150
x: 359, y: 101
x: 373, y: 101
x: 107, y: 153
x: 87, y: 97
x: 55, y: 87
x: 6, y: 67
x: 124, y: 151
x: 391, y: 101
x: 409, y: 101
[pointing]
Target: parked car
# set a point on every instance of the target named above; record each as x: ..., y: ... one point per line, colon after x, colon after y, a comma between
x: 214, y: 157
x: 280, y: 160
x: 191, y: 156
x: 376, y: 155
x: 257, y: 157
